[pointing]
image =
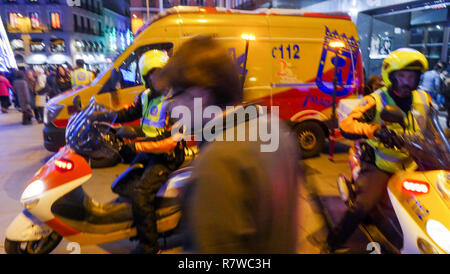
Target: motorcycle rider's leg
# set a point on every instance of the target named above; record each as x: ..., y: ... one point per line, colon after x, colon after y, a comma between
x: 371, y: 187
x: 144, y: 209
x: 142, y: 158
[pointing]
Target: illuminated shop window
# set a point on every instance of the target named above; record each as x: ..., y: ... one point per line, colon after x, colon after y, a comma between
x: 14, y: 19
x: 55, y: 20
x: 37, y: 45
x: 17, y: 44
x: 34, y: 17
x: 57, y: 45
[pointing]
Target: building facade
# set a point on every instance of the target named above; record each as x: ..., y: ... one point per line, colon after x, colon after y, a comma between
x: 116, y: 27
x: 60, y: 31
x: 143, y: 10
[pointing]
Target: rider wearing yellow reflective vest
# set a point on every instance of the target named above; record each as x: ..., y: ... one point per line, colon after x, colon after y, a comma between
x: 151, y: 107
x: 157, y: 152
x: 401, y: 72
x: 80, y: 76
x: 392, y: 159
x: 153, y: 114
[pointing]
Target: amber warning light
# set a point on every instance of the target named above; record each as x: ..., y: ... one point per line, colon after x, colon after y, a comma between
x: 337, y: 44
x: 416, y: 187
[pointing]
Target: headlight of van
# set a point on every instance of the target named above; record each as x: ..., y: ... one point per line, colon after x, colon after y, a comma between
x: 51, y: 111
x: 439, y: 234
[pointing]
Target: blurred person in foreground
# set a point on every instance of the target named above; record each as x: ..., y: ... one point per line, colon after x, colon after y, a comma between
x: 242, y: 200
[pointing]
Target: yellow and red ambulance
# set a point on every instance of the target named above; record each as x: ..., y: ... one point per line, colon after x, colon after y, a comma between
x: 291, y: 62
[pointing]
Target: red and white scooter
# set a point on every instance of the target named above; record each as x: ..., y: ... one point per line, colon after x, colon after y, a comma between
x: 56, y: 206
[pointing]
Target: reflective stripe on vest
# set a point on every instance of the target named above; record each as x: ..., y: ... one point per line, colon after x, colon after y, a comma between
x: 388, y: 159
x: 153, y: 114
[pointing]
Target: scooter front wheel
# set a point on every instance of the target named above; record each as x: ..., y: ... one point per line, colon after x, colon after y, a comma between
x: 42, y: 246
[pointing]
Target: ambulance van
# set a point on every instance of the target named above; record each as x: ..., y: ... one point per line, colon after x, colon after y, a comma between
x: 288, y: 58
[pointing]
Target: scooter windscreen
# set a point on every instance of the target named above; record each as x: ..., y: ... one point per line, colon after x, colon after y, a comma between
x: 430, y: 149
x: 90, y: 138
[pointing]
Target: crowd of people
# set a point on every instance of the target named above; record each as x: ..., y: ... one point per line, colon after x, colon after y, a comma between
x: 30, y: 88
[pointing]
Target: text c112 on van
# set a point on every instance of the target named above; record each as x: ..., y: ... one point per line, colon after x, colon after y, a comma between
x: 292, y: 51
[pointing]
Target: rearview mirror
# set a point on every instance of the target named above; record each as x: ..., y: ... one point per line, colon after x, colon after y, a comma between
x: 111, y: 84
x: 77, y: 103
x: 115, y: 78
x: 393, y: 114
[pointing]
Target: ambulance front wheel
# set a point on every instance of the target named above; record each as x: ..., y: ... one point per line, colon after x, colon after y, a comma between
x: 311, y: 138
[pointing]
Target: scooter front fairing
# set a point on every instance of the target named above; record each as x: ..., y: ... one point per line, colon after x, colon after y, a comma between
x: 61, y: 174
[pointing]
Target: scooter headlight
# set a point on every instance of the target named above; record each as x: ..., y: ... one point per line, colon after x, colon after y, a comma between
x: 33, y: 190
x: 439, y: 234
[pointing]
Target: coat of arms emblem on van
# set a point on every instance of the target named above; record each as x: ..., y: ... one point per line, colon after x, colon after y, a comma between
x: 346, y: 64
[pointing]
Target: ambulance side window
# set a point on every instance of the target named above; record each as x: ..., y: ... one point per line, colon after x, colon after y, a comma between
x: 128, y: 71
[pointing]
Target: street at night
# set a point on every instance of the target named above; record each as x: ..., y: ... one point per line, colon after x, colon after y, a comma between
x: 21, y: 161
x: 224, y: 127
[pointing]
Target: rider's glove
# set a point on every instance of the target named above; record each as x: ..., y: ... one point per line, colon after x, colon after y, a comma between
x: 388, y: 137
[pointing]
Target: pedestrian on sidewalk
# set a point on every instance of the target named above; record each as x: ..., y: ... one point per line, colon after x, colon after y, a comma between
x: 31, y: 81
x: 24, y: 97
x: 447, y: 99
x: 431, y: 81
x: 52, y: 88
x: 5, y: 85
x: 40, y: 93
x: 63, y: 79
